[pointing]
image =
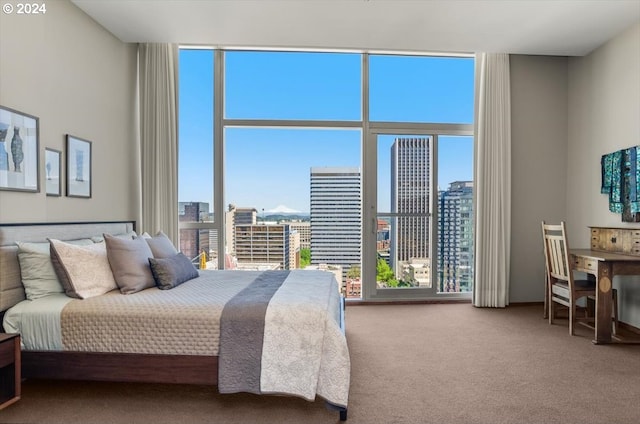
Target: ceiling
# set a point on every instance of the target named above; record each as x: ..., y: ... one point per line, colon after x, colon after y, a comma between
x: 541, y: 27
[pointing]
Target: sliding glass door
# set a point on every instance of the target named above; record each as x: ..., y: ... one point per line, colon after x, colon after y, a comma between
x: 422, y: 222
x: 404, y: 212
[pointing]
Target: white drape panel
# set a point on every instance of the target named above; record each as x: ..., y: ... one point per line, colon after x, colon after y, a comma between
x: 158, y: 101
x: 493, y: 180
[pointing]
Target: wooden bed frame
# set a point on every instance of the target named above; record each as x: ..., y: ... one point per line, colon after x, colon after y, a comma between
x: 121, y: 367
x: 91, y: 366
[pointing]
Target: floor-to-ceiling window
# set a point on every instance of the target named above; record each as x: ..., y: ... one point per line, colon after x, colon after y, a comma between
x: 355, y: 163
x: 197, y: 231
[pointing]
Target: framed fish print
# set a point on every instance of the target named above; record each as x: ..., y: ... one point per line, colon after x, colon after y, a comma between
x: 52, y: 166
x: 78, y: 167
x: 19, y: 140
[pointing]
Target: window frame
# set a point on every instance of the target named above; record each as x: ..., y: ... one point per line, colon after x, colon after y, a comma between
x: 369, y: 130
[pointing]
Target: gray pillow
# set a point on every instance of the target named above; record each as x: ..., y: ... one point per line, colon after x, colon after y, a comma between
x: 129, y: 260
x: 161, y: 245
x: 130, y: 235
x: 173, y: 271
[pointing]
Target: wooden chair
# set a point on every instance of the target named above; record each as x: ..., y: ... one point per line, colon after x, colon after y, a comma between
x: 562, y: 287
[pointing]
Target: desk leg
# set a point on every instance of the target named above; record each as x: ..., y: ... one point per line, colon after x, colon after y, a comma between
x: 603, y: 303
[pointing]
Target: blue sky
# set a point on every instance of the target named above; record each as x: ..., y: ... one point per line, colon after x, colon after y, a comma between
x: 268, y: 167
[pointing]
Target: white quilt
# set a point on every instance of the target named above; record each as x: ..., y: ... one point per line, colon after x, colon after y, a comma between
x: 304, y: 351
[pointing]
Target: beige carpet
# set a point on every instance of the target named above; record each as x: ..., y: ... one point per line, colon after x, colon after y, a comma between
x: 410, y: 364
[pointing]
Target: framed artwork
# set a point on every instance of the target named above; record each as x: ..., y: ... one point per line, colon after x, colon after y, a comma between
x: 621, y: 182
x: 52, y: 166
x: 78, y: 167
x: 19, y: 138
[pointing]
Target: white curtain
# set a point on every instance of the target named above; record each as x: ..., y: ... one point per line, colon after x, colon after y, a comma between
x: 158, y: 102
x: 493, y: 180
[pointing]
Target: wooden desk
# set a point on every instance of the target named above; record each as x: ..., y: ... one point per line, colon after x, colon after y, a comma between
x: 604, y: 266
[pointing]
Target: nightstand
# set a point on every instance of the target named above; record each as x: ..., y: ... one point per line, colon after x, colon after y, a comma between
x: 9, y: 369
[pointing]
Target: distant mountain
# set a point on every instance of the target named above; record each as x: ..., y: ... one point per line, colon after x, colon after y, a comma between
x: 282, y: 209
x: 280, y: 217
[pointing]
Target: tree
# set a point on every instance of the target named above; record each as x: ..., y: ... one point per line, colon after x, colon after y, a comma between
x: 305, y: 257
x: 354, y: 272
x: 384, y: 273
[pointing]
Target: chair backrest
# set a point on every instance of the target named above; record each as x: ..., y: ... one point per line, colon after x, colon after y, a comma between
x: 556, y: 251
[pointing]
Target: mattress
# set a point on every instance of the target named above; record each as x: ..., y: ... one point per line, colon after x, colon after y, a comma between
x: 38, y: 322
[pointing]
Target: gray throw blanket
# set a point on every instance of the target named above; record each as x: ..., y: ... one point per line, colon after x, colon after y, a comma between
x: 242, y: 333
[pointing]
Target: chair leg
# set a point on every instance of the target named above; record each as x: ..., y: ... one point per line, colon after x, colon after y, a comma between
x: 546, y: 297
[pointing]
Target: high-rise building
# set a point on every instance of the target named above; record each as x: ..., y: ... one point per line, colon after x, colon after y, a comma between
x: 193, y: 241
x: 383, y: 239
x: 264, y: 244
x: 213, y: 250
x: 203, y: 210
x: 336, y: 219
x: 237, y: 216
x: 294, y: 249
x: 410, y: 189
x: 245, y: 215
x: 304, y: 229
x: 455, y: 245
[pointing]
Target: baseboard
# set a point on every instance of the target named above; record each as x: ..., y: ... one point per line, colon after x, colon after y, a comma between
x: 629, y: 327
x: 526, y: 304
x: 355, y: 302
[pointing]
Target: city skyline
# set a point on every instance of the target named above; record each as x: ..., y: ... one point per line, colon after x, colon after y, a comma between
x: 269, y: 167
x: 457, y: 154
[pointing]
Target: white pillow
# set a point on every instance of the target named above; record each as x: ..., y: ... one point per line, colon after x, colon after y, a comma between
x: 84, y: 271
x: 36, y: 270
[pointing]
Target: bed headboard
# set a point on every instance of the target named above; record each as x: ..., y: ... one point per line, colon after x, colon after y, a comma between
x: 11, y: 289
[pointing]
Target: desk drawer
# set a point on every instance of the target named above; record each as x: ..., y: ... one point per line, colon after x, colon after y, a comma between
x: 635, y: 246
x: 578, y: 262
x: 610, y: 239
x: 590, y: 265
x: 617, y: 240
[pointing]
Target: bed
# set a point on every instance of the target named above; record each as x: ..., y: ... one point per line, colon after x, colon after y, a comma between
x: 264, y: 332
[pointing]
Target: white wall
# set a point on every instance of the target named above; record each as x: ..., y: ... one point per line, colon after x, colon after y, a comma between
x: 77, y: 78
x: 567, y: 113
x: 604, y: 116
x: 539, y: 157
